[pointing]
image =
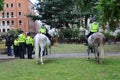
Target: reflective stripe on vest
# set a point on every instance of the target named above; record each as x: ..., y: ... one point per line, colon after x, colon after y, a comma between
x: 94, y: 27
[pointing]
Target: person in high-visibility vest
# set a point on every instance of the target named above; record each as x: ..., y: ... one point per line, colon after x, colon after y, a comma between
x: 94, y: 27
x: 16, y: 47
x: 22, y: 44
x: 29, y: 45
x: 44, y: 31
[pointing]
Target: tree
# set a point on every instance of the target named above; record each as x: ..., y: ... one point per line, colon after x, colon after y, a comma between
x: 1, y: 5
x: 56, y: 12
x: 86, y: 8
x: 109, y: 12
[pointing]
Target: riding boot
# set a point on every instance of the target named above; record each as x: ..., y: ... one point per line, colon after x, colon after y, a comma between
x: 86, y: 42
x: 50, y: 38
x: 52, y: 41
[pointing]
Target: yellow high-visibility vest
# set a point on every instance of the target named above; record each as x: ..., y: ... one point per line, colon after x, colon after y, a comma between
x: 94, y: 27
x: 16, y: 43
x: 21, y: 38
x: 29, y: 40
x: 43, y: 30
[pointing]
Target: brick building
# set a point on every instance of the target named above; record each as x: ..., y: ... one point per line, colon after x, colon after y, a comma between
x: 14, y: 16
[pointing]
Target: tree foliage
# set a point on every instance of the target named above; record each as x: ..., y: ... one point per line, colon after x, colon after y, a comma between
x: 56, y: 12
x: 86, y: 8
x: 1, y: 5
x: 109, y: 11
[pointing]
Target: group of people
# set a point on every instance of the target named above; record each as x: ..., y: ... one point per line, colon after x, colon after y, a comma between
x: 22, y: 44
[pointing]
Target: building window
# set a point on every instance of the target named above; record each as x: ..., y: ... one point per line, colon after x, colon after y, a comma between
x: 19, y: 4
x: 8, y: 23
x: 19, y: 13
x: 12, y: 14
x: 12, y: 22
x: 7, y: 14
x: 20, y: 22
x: 3, y: 23
x: 7, y: 5
x: 11, y: 4
x: 3, y: 16
x: 8, y: 30
x: 3, y: 30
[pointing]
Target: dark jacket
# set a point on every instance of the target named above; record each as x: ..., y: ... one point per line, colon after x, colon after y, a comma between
x: 9, y: 41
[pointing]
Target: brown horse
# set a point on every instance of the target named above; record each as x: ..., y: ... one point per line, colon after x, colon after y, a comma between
x: 96, y: 43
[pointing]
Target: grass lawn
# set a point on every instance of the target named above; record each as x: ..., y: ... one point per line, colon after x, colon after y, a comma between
x: 80, y: 48
x: 61, y: 69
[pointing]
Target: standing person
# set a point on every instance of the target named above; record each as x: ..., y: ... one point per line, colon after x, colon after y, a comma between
x: 29, y: 46
x: 22, y: 39
x: 16, y: 47
x: 9, y: 43
x: 93, y: 28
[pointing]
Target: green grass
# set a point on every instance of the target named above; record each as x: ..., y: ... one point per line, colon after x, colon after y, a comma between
x: 61, y: 69
x: 80, y: 48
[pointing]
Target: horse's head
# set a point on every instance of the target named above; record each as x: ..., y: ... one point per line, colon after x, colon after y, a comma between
x: 53, y: 32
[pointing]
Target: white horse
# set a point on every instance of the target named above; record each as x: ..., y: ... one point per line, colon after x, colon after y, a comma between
x: 115, y: 33
x: 41, y: 41
x: 96, y: 42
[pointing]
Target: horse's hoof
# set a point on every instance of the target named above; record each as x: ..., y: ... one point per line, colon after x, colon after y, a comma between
x: 42, y: 63
x: 87, y: 59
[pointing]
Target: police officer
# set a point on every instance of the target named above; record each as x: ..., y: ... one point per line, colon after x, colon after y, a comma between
x: 43, y: 30
x: 16, y: 46
x: 22, y: 39
x: 93, y: 28
x: 29, y: 46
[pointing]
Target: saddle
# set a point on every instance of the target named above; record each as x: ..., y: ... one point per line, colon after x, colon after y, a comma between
x: 50, y: 38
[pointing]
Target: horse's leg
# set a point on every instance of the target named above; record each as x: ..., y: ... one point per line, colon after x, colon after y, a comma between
x: 37, y: 53
x: 95, y: 52
x: 50, y: 50
x: 41, y: 54
x: 97, y: 55
x: 45, y: 52
x: 88, y: 51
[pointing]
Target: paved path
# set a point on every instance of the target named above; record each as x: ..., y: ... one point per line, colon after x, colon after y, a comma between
x: 64, y: 55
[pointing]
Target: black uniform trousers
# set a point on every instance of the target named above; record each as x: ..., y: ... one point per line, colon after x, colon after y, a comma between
x: 22, y: 49
x: 29, y: 51
x: 16, y: 50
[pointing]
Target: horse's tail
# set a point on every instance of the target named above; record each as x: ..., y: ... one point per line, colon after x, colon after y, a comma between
x: 36, y: 46
x: 102, y: 47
